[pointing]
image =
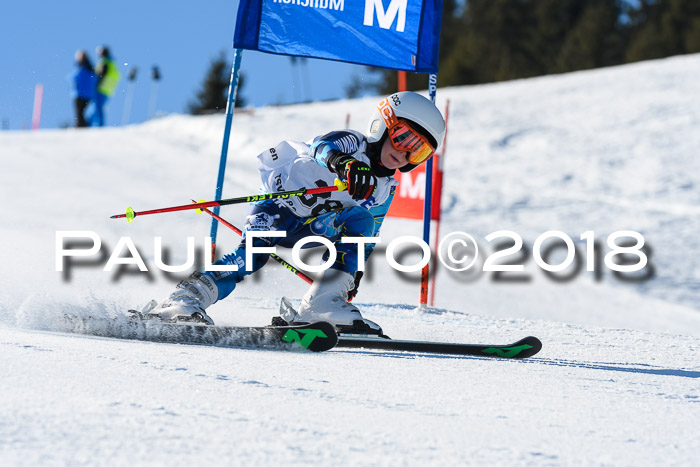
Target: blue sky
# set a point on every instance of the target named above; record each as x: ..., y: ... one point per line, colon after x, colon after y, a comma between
x: 39, y: 38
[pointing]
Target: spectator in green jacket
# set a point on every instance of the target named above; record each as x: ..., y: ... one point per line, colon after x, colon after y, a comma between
x: 107, y: 80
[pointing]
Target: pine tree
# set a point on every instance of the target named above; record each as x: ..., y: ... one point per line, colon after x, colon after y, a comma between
x: 385, y: 81
x: 661, y: 28
x: 595, y: 38
x: 213, y: 95
x: 494, y: 40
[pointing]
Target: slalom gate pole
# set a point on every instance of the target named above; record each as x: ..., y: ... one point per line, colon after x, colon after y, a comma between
x: 126, y: 114
x: 272, y: 255
x: 438, y: 202
x: 155, y: 74
x: 130, y: 213
x: 36, y: 112
x: 231, y: 104
x: 425, y: 272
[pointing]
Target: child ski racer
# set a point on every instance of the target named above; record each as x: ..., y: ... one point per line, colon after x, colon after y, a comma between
x: 404, y: 131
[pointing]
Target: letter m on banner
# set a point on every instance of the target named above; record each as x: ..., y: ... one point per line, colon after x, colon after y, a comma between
x: 386, y: 18
x: 396, y: 34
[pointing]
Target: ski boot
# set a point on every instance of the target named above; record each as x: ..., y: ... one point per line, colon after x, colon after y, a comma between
x: 188, y: 302
x: 327, y: 300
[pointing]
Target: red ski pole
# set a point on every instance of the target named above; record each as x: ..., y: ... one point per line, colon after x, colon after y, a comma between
x: 272, y: 255
x: 339, y: 186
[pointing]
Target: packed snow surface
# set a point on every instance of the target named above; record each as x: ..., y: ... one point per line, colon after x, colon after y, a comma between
x: 615, y: 383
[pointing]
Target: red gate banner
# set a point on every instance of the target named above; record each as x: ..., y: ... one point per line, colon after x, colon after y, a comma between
x: 410, y: 194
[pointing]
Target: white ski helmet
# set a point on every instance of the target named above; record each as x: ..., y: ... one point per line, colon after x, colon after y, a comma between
x: 419, y: 111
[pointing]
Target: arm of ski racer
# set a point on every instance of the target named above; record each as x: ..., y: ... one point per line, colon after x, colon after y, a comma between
x: 332, y: 144
x: 338, y: 151
x: 379, y: 213
x: 347, y: 143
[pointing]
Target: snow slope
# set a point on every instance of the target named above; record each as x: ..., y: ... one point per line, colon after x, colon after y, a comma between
x: 616, y: 382
x: 594, y: 396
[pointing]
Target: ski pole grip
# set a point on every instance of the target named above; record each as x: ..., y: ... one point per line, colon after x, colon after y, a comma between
x: 199, y: 210
x: 340, y: 185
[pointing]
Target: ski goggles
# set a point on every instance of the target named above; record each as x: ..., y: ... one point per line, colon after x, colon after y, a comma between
x: 403, y: 137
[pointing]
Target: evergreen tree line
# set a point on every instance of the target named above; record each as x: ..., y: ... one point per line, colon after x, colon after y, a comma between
x: 212, y: 96
x: 485, y: 41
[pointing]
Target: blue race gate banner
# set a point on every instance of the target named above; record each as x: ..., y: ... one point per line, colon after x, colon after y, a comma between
x: 395, y: 34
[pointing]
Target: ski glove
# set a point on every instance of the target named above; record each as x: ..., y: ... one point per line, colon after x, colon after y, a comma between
x: 361, y: 180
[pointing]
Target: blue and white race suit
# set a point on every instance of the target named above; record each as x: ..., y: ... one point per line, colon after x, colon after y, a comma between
x: 294, y: 165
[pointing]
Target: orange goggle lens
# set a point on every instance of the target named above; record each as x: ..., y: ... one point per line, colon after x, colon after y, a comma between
x: 405, y: 138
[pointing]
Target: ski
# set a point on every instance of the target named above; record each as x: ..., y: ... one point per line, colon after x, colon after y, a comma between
x: 523, y: 348
x: 526, y: 347
x: 316, y: 337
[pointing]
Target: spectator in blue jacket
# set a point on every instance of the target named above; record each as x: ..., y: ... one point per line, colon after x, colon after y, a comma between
x: 84, y: 81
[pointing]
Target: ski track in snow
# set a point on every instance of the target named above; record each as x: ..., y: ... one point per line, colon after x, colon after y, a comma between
x: 615, y: 383
x: 599, y: 395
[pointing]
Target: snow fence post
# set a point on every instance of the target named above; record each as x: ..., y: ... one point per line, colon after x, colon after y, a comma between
x: 231, y: 104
